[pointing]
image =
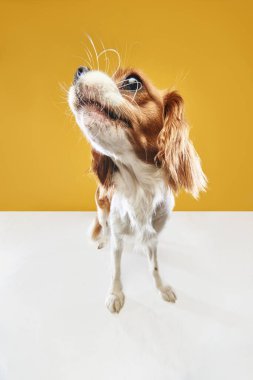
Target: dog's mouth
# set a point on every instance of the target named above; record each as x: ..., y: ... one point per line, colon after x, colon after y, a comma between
x: 102, y: 109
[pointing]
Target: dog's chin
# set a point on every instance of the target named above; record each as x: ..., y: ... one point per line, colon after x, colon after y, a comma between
x: 102, y: 133
x: 96, y: 115
x: 102, y: 126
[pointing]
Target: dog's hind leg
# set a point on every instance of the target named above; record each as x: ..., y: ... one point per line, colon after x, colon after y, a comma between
x: 100, y: 229
x: 96, y: 230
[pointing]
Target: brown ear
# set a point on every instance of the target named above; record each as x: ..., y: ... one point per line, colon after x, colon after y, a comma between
x: 176, y: 152
x: 103, y: 167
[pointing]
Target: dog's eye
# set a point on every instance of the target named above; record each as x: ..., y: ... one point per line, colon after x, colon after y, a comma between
x: 131, y: 83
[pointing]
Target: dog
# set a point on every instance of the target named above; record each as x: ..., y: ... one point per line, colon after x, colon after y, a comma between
x: 141, y: 155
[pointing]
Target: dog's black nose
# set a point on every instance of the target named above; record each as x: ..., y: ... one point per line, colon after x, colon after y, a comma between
x: 81, y: 70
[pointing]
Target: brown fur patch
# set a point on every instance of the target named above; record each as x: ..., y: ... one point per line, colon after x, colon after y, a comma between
x: 103, y: 198
x: 176, y: 152
x: 145, y: 111
x: 96, y: 230
x: 103, y: 167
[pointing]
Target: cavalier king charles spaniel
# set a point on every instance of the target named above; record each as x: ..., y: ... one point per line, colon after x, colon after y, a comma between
x: 141, y: 155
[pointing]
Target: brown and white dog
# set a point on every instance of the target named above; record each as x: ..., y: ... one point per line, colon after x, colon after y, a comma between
x: 142, y: 154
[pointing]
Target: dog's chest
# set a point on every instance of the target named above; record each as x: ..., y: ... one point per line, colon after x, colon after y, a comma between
x: 135, y: 201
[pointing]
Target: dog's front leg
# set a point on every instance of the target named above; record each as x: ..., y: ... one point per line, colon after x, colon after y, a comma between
x: 166, y: 292
x: 115, y: 299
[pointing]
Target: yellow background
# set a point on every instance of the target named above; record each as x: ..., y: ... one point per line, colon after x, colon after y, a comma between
x: 202, y: 48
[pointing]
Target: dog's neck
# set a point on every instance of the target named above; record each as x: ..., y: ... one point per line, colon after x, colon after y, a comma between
x: 136, y: 174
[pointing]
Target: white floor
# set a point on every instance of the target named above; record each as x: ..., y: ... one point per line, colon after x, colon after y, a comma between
x: 54, y: 325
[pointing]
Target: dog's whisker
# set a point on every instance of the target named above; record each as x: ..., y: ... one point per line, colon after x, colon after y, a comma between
x: 63, y: 87
x: 112, y: 51
x: 121, y: 81
x: 90, y: 56
x: 106, y: 57
x: 133, y: 101
x: 95, y: 50
x: 88, y: 60
x: 125, y: 85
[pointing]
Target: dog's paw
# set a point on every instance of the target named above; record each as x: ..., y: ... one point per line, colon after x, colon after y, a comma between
x: 168, y: 294
x: 114, y: 302
x: 102, y: 243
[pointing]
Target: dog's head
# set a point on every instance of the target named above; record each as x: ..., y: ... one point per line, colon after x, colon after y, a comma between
x: 126, y: 118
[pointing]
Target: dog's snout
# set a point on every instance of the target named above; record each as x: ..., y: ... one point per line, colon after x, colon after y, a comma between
x: 80, y: 71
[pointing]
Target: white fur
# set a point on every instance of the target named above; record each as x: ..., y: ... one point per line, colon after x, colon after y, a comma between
x: 141, y: 201
x: 108, y: 91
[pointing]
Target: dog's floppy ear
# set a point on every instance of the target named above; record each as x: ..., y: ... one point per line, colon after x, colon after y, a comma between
x: 176, y: 153
x: 103, y: 167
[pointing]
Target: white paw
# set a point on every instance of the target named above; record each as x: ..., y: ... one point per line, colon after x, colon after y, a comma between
x: 168, y: 294
x: 115, y: 302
